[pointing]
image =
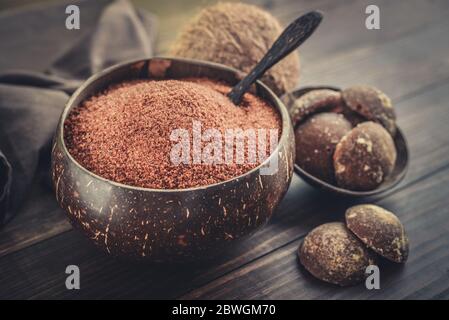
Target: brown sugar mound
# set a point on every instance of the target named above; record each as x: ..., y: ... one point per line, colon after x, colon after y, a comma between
x: 238, y: 35
x: 123, y: 134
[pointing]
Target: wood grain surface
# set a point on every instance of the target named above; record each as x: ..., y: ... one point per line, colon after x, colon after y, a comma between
x: 407, y: 58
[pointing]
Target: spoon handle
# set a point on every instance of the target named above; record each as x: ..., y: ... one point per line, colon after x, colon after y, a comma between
x: 290, y: 39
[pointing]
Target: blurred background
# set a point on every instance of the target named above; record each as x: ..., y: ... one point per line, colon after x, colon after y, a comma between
x: 399, y: 19
x: 330, y: 42
x: 171, y: 14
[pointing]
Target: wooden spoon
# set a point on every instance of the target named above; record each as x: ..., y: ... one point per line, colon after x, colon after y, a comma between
x: 290, y: 39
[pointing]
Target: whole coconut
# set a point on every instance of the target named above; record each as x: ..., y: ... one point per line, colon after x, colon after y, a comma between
x: 237, y: 35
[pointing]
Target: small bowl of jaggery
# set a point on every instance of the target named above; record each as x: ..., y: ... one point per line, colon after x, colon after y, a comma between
x: 347, y: 140
x: 111, y: 169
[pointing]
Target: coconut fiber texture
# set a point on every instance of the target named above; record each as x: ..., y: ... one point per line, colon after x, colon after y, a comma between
x: 41, y: 63
x: 237, y: 35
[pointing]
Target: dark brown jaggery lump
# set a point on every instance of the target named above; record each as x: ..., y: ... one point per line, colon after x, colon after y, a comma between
x: 333, y: 254
x: 372, y: 104
x: 380, y: 230
x: 315, y: 101
x: 237, y: 35
x: 364, y: 157
x: 316, y: 139
x: 123, y: 133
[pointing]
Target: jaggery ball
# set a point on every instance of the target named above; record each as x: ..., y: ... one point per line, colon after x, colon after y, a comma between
x: 364, y: 157
x: 333, y: 254
x: 237, y: 35
x: 380, y: 230
x: 316, y: 139
x: 372, y: 104
x: 315, y: 101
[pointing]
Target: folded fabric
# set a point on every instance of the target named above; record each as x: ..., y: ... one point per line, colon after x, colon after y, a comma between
x: 41, y: 64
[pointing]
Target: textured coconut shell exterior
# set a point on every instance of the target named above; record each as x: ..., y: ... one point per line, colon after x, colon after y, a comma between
x: 372, y: 104
x: 315, y: 101
x: 237, y: 35
x: 364, y: 157
x: 380, y: 230
x: 333, y: 254
x: 168, y: 225
x: 316, y: 139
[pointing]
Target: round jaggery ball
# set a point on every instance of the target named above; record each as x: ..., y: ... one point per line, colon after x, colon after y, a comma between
x: 372, y: 104
x: 237, y: 35
x: 380, y: 230
x: 364, y: 157
x: 333, y: 254
x: 315, y: 101
x: 316, y: 139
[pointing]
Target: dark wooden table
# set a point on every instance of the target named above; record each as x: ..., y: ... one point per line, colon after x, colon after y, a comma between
x: 408, y: 58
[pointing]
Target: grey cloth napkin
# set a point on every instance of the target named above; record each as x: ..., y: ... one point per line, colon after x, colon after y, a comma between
x: 41, y: 64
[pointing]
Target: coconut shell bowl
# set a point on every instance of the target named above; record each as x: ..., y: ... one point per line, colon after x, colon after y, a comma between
x: 394, y: 178
x: 173, y: 225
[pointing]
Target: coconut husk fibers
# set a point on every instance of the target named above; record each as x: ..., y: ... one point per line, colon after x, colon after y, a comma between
x: 237, y: 35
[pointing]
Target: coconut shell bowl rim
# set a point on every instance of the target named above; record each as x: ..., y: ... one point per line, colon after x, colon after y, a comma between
x: 143, y: 62
x: 398, y: 174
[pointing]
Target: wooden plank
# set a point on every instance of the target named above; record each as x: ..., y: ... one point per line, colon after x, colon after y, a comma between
x: 424, y: 210
x: 40, y: 218
x: 343, y: 27
x: 404, y: 81
x: 400, y: 67
x: 380, y: 65
x: 37, y: 271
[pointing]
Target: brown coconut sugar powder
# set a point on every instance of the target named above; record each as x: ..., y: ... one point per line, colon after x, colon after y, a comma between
x: 123, y: 133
